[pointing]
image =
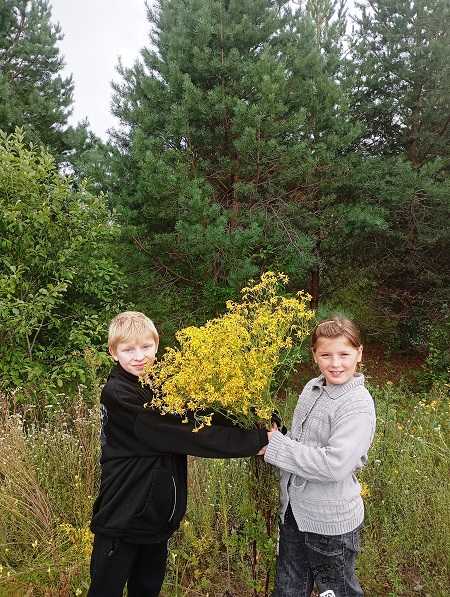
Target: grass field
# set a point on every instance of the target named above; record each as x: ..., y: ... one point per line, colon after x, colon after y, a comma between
x: 49, y: 476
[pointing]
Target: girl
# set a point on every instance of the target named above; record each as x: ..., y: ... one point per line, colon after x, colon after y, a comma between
x: 321, y: 507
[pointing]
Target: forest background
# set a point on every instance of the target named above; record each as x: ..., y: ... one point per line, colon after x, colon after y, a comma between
x: 254, y: 135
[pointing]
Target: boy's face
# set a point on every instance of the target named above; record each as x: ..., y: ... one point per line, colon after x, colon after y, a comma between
x: 337, y: 359
x: 135, y: 353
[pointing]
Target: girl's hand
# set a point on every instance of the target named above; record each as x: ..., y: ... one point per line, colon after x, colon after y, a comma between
x: 270, y: 433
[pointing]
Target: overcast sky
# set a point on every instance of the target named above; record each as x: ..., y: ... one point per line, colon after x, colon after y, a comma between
x: 96, y: 33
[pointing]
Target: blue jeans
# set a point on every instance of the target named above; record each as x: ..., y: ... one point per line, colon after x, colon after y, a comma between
x: 308, y: 558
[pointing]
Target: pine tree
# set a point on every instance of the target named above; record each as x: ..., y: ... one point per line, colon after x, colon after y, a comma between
x: 232, y: 124
x: 33, y: 94
x: 399, y: 78
x: 329, y: 19
x: 401, y: 63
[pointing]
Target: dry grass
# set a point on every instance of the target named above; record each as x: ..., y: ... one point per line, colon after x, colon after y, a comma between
x: 49, y: 474
x: 48, y: 477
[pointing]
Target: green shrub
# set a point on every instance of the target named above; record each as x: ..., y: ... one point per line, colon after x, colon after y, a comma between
x: 437, y: 363
x: 59, y: 283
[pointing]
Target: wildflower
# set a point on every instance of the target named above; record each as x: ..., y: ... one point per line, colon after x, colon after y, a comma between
x: 81, y: 538
x: 365, y: 491
x: 231, y: 364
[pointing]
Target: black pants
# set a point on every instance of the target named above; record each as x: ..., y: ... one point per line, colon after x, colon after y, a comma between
x: 115, y: 563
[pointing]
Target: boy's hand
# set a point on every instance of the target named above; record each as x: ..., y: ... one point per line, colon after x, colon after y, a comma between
x: 269, y: 435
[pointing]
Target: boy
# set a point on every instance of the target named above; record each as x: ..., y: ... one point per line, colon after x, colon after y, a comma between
x: 143, y: 486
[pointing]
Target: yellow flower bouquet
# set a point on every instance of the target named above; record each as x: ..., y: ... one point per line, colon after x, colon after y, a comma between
x: 231, y: 364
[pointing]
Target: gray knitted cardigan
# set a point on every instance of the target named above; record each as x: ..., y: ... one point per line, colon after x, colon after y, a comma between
x: 332, y: 429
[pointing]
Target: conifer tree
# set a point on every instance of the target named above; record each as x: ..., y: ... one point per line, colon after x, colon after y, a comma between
x: 399, y: 73
x: 33, y: 94
x: 329, y: 19
x: 401, y: 63
x: 231, y: 125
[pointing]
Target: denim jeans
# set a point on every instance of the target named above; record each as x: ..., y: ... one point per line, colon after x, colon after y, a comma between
x: 305, y: 559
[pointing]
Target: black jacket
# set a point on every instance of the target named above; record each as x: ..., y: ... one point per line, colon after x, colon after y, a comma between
x: 143, y: 487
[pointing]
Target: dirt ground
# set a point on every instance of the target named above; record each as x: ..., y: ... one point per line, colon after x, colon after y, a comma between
x: 378, y: 366
x: 384, y: 367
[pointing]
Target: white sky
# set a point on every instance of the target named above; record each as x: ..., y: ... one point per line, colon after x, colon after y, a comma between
x: 96, y: 33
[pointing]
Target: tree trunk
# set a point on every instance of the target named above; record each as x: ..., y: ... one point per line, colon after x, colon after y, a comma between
x: 314, y: 287
x: 314, y: 280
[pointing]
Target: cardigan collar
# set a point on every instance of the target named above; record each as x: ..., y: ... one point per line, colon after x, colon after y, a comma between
x: 334, y: 391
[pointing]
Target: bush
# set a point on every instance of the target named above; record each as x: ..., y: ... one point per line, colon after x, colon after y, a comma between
x: 437, y: 363
x: 58, y: 279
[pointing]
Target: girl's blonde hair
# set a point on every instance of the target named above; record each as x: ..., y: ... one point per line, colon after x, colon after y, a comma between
x: 334, y: 327
x: 128, y: 325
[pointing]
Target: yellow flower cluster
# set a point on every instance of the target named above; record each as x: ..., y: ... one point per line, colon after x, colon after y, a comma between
x: 229, y: 364
x: 80, y: 537
x: 365, y: 490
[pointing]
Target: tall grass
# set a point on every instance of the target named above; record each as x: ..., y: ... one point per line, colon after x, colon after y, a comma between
x: 49, y: 475
x: 227, y: 542
x: 406, y: 547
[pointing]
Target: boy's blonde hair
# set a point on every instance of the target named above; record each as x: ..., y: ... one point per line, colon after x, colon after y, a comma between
x: 334, y: 327
x: 128, y: 325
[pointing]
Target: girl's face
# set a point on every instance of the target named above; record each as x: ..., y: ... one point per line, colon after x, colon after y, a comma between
x: 337, y: 359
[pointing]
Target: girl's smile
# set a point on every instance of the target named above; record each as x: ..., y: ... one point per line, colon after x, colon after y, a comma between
x: 337, y: 358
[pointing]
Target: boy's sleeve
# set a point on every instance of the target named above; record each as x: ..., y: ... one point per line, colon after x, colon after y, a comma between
x: 166, y: 434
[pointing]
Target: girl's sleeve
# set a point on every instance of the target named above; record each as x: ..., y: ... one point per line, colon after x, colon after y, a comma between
x: 167, y: 434
x: 346, y: 450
